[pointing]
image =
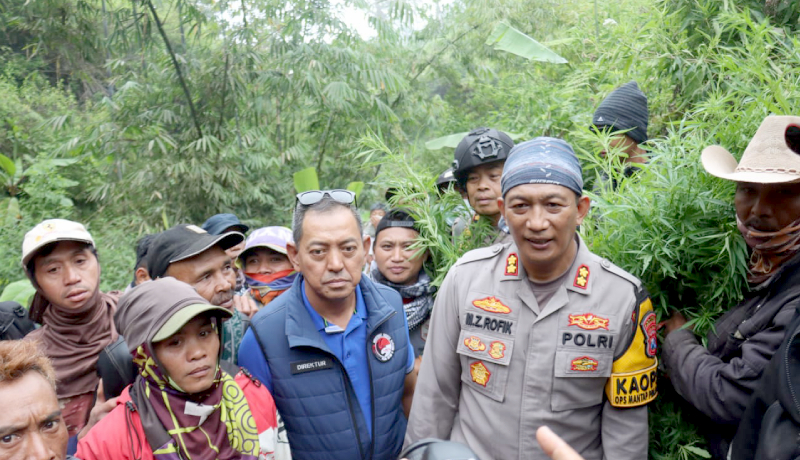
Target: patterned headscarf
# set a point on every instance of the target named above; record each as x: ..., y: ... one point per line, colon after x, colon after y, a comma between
x: 543, y: 160
x: 417, y: 298
x: 214, y: 425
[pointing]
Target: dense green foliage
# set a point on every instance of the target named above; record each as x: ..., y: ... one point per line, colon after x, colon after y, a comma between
x: 132, y: 116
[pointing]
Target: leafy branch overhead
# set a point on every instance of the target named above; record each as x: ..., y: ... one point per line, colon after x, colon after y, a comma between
x: 506, y: 38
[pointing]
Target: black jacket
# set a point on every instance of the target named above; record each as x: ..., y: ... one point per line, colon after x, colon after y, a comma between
x: 770, y: 427
x: 719, y: 380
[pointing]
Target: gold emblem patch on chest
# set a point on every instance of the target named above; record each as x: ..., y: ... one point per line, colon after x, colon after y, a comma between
x: 588, y: 321
x: 474, y: 343
x: 479, y: 373
x: 584, y: 364
x: 492, y: 305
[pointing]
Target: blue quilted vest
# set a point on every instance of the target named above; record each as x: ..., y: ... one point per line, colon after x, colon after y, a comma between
x: 312, y: 390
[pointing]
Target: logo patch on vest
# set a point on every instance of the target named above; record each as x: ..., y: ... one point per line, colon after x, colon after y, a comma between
x: 383, y: 347
x: 511, y: 264
x: 588, y: 321
x: 492, y: 305
x: 649, y: 328
x: 480, y: 374
x: 581, y: 277
x: 474, y: 343
x: 300, y: 367
x: 497, y: 349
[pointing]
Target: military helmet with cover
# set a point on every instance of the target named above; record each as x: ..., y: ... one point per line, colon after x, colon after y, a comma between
x: 480, y: 146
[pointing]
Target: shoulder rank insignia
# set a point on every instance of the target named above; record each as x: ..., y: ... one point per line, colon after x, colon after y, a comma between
x: 512, y: 269
x: 480, y: 374
x: 492, y: 305
x: 474, y: 343
x: 497, y: 349
x: 581, y: 277
x: 588, y: 322
x: 584, y: 364
x: 649, y: 328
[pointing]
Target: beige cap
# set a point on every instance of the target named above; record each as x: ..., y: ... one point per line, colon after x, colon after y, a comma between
x: 772, y: 156
x: 51, y: 230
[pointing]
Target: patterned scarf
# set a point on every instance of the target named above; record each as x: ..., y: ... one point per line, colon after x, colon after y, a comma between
x: 769, y: 255
x: 214, y: 425
x: 264, y: 288
x: 420, y: 293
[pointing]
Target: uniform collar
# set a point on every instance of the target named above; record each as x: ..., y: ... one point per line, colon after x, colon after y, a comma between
x: 319, y: 321
x: 580, y: 279
x: 303, y: 330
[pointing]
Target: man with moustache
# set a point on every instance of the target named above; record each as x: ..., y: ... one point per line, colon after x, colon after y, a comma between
x: 334, y: 349
x: 719, y: 379
x: 190, y: 254
x: 539, y: 332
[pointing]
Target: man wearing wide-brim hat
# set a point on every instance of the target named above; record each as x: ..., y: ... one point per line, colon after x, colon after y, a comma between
x: 719, y: 379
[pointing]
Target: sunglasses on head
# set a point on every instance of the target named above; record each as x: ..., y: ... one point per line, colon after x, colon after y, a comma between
x: 315, y: 196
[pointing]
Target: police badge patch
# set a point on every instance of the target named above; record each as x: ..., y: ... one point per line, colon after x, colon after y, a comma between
x: 383, y: 347
x: 474, y: 343
x: 492, y: 305
x: 497, y: 349
x: 479, y: 373
x: 649, y: 329
x: 584, y: 364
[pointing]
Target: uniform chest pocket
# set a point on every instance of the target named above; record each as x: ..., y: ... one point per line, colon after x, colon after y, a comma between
x: 484, y: 363
x: 580, y: 378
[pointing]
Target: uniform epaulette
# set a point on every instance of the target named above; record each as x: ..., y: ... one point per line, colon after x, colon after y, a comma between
x: 610, y: 267
x: 480, y: 254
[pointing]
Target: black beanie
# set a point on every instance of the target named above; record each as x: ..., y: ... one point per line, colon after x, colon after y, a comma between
x: 624, y: 109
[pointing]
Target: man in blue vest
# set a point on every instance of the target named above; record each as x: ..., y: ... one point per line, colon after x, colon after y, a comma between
x: 334, y: 349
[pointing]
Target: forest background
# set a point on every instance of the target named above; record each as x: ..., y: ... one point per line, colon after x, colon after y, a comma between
x: 134, y: 115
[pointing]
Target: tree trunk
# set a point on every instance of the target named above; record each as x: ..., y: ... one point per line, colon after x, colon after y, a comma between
x: 324, y: 141
x: 222, y: 103
x: 180, y: 25
x: 177, y: 68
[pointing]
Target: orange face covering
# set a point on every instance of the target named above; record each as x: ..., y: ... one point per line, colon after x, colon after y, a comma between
x: 769, y: 255
x: 264, y: 288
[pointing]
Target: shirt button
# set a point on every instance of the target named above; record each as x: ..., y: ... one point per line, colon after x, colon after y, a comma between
x: 605, y: 263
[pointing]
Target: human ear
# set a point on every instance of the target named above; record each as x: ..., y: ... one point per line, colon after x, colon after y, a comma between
x: 292, y: 254
x: 584, y: 203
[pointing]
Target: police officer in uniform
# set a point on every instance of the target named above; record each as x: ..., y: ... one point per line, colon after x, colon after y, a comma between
x: 539, y: 331
x: 477, y: 168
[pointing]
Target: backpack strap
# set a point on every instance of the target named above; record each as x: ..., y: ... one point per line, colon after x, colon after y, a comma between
x: 14, y: 321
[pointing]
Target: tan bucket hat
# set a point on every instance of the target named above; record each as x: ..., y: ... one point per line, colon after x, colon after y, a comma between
x: 772, y: 156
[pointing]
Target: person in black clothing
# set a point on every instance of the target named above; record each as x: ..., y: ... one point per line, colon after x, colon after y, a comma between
x: 770, y: 427
x: 719, y: 380
x: 624, y: 111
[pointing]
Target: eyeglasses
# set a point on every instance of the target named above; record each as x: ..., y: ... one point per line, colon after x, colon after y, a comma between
x: 315, y: 196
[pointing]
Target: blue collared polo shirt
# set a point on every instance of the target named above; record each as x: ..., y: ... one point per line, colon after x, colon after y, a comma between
x: 349, y: 347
